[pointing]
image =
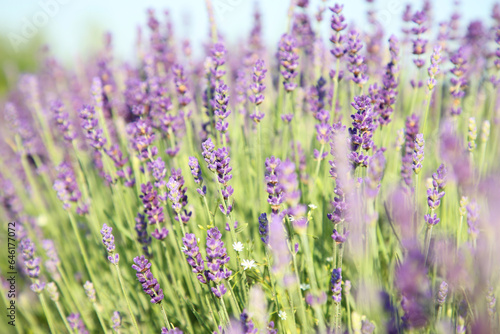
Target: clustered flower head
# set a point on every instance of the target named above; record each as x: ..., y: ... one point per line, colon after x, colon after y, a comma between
x: 361, y: 131
x: 418, y: 153
x: 67, y: 188
x: 338, y: 25
x: 149, y: 283
x: 419, y: 43
x: 257, y: 87
x: 31, y: 264
x: 458, y: 81
x: 357, y: 65
x: 194, y: 166
x: 289, y: 60
x: 336, y: 282
x: 108, y: 239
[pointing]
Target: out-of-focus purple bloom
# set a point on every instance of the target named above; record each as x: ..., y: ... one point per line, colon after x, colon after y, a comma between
x: 303, y: 32
x: 90, y: 291
x: 278, y: 244
x: 67, y: 188
x: 108, y: 239
x: 264, y: 228
x: 275, y: 197
x: 414, y: 285
x: 31, y: 263
x: 442, y: 293
x: 177, y: 194
x: 62, y: 119
x: 257, y: 88
x: 216, y: 259
x: 194, y: 257
x: 316, y: 300
x: 158, y: 171
x: 116, y: 320
x: 287, y: 118
x: 411, y: 131
x: 361, y: 131
x: 142, y: 139
x: 149, y: 284
x: 419, y: 43
x: 90, y: 126
x: 473, y: 218
x: 209, y: 154
x: 288, y: 185
x: 247, y: 323
x: 141, y: 227
x: 433, y: 70
x: 375, y: 173
x: 181, y: 85
x: 175, y: 330
x: 160, y: 234
x: 76, y: 324
x: 289, y: 60
x: 458, y: 81
x: 418, y: 153
x: 53, y: 261
x: 194, y: 165
x: 336, y: 282
x: 357, y: 65
x: 472, y: 134
x: 439, y: 178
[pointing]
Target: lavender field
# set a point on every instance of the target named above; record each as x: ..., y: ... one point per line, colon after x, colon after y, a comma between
x: 339, y: 183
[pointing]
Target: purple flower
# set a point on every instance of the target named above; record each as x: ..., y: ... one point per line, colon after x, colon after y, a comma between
x: 264, y: 228
x: 152, y: 207
x: 223, y: 171
x: 247, y: 323
x: 142, y: 139
x: 336, y: 282
x: 90, y: 291
x: 66, y: 186
x: 160, y: 234
x: 439, y: 178
x: 338, y: 238
x: 389, y: 92
x: 315, y: 300
x: 52, y: 258
x: 411, y: 131
x: 431, y: 219
x: 90, y: 125
x: 289, y: 187
x: 375, y: 173
x: 418, y: 153
x: 76, y: 324
x: 194, y: 165
x: 362, y: 129
x: 194, y: 257
x: 357, y: 65
x: 289, y: 60
x: 434, y: 198
x: 116, y: 320
x: 473, y: 218
x: 434, y: 68
x: 458, y: 81
x: 149, y: 284
x: 338, y: 25
x: 221, y: 111
x: 278, y: 244
x: 216, y: 259
x: 158, y: 171
x: 108, y: 240
x: 177, y: 195
x: 275, y: 197
x: 31, y: 263
x: 442, y: 293
x: 141, y: 227
x: 258, y: 87
x: 181, y: 85
x: 419, y: 43
x: 62, y: 120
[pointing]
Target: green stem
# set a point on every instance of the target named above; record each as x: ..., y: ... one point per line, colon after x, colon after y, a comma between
x: 47, y: 313
x: 126, y: 299
x: 165, y: 316
x: 99, y: 318
x: 63, y: 317
x: 427, y: 240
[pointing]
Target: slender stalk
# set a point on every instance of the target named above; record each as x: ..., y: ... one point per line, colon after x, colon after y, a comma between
x: 165, y: 316
x: 48, y: 316
x: 99, y: 318
x: 427, y: 240
x: 63, y: 317
x: 126, y: 299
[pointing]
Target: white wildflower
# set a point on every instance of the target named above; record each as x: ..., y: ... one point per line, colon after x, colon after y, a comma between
x: 248, y: 264
x: 282, y: 315
x: 238, y: 246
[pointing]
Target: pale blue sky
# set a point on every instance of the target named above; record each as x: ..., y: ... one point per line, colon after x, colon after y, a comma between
x: 68, y: 33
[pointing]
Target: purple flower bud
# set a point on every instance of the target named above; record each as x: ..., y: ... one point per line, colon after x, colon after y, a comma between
x: 336, y: 282
x: 289, y: 60
x: 76, y: 324
x: 108, y: 240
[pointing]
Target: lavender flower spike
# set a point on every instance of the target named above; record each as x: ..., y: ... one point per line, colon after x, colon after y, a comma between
x: 216, y: 259
x: 31, y: 264
x: 194, y: 165
x: 194, y: 257
x: 76, y: 324
x: 418, y: 153
x: 337, y: 285
x: 149, y: 284
x: 108, y: 240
